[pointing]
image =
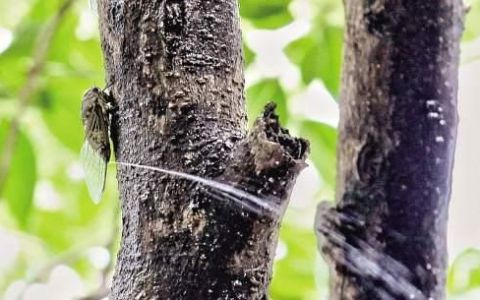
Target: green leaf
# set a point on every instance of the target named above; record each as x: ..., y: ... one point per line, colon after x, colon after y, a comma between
x: 323, y: 145
x: 268, y: 14
x: 268, y: 90
x: 464, y: 274
x: 319, y: 55
x: 22, y: 175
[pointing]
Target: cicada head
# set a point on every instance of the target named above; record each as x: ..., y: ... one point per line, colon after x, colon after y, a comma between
x: 94, y: 99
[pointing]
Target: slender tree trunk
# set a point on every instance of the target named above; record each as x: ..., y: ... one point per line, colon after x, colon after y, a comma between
x: 386, y: 236
x: 176, y: 72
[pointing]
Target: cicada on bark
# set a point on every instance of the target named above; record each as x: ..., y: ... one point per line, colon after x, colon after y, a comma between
x: 95, y: 154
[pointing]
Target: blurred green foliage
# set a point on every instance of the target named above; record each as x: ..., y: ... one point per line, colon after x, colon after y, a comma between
x: 266, y: 14
x: 44, y: 201
x: 319, y: 53
x: 20, y: 183
x: 465, y: 272
x: 472, y: 22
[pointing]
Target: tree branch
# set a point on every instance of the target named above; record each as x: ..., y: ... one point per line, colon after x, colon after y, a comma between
x: 385, y: 238
x: 176, y: 72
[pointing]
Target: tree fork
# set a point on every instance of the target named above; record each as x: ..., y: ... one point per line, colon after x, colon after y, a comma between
x: 175, y: 68
x: 385, y: 238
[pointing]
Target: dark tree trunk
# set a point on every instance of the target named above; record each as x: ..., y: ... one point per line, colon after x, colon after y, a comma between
x: 386, y: 236
x: 176, y: 72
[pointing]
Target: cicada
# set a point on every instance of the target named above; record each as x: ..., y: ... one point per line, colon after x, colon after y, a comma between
x: 95, y: 154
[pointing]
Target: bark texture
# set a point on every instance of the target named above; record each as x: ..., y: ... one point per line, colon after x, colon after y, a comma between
x: 385, y: 238
x: 175, y: 69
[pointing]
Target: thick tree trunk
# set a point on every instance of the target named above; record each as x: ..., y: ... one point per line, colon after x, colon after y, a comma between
x: 175, y: 70
x: 386, y: 236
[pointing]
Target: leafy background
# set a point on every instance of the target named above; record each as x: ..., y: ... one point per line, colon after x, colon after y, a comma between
x: 56, y: 244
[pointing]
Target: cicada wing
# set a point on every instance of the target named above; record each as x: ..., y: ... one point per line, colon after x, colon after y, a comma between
x: 95, y: 170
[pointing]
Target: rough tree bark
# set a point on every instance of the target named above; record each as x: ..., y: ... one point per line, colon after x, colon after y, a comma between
x: 174, y: 68
x: 385, y: 238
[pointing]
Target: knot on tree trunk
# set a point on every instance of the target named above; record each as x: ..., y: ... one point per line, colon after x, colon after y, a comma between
x: 273, y: 147
x: 267, y: 162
